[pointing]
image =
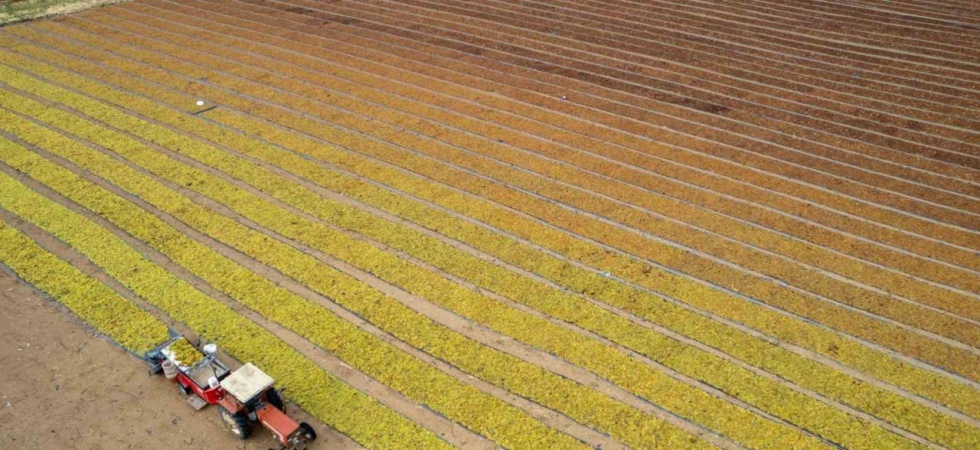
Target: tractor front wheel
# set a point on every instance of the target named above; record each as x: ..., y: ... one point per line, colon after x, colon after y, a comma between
x: 237, y: 423
x: 308, y: 431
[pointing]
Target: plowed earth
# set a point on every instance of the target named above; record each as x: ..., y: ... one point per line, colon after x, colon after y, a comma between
x: 525, y: 224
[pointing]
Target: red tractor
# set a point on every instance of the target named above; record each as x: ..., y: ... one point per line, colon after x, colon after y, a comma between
x: 243, y: 396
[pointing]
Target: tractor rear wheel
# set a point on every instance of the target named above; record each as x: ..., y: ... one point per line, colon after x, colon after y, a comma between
x: 237, y: 423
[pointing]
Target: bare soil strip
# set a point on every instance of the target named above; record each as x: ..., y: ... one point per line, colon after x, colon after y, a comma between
x: 927, y: 12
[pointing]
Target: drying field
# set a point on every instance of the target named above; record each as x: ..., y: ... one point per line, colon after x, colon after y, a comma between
x: 536, y: 224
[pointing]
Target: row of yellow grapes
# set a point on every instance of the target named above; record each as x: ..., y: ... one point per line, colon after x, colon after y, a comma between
x: 320, y: 393
x: 93, y: 302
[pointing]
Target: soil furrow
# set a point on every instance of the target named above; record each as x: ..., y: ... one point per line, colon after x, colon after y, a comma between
x: 916, y: 13
x: 567, y: 104
x: 853, y: 11
x: 522, y: 54
x: 286, y: 13
x: 428, y: 96
x: 890, y: 21
x: 847, y: 47
x: 489, y: 15
x: 811, y: 18
x: 850, y: 143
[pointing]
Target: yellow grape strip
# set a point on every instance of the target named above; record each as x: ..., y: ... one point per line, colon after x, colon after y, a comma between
x: 318, y: 392
x: 93, y: 302
x: 478, y: 411
x: 358, y: 348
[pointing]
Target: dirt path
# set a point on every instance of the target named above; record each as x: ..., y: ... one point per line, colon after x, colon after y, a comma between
x: 46, y: 403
